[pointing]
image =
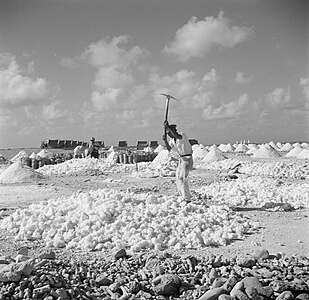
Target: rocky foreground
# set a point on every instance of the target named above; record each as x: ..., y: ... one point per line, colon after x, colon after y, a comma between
x: 258, y: 276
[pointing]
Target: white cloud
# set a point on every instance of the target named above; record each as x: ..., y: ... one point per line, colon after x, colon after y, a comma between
x: 5, y: 118
x: 68, y: 62
x: 112, y: 52
x: 226, y: 111
x: 196, y: 38
x: 304, y: 82
x: 278, y: 97
x: 53, y: 111
x: 17, y: 89
x: 211, y: 76
x: 105, y: 100
x: 241, y: 79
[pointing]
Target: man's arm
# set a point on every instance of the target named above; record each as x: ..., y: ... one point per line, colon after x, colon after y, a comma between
x: 167, y: 145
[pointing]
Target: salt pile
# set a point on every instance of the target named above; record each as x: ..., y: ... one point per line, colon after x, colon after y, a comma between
x: 286, y: 147
x: 294, y: 152
x: 33, y: 155
x: 241, y: 148
x: 19, y: 156
x: 199, y: 153
x: 44, y: 154
x: 109, y: 219
x: 304, y: 154
x: 229, y: 148
x: 213, y: 155
x: 112, y: 158
x: 265, y: 152
x: 159, y: 149
x: 18, y: 173
x: 163, y: 158
x: 111, y: 149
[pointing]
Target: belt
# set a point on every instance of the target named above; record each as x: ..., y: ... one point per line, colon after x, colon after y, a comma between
x: 185, y: 155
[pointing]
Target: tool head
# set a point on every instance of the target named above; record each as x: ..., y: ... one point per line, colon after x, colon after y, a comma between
x: 169, y: 97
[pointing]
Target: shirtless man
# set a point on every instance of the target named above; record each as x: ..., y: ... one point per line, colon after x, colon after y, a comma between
x: 185, y: 163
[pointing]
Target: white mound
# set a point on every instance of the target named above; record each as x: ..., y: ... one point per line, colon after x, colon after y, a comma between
x: 19, y: 156
x: 294, y: 152
x: 304, y: 154
x: 286, y: 147
x: 44, y: 154
x: 162, y: 158
x: 111, y: 149
x: 241, y: 148
x: 214, y: 155
x: 111, y: 158
x: 159, y: 149
x: 265, y: 152
x: 18, y: 173
x: 199, y: 153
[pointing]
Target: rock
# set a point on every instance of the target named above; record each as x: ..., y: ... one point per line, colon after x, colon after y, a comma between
x: 240, y: 295
x: 246, y: 261
x: 230, y: 283
x: 48, y: 255
x: 20, y: 258
x: 265, y: 291
x: 303, y: 296
x: 168, y: 285
x: 286, y: 295
x: 13, y: 272
x: 249, y: 282
x: 279, y: 286
x: 261, y: 254
x: 298, y: 285
x: 103, y: 280
x: 238, y: 286
x: 218, y: 282
x: 225, y: 297
x: 120, y: 254
x: 213, y: 294
x: 23, y: 250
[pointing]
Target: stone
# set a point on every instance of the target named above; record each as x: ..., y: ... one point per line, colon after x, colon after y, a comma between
x: 240, y: 295
x: 168, y: 285
x: 261, y: 254
x: 13, y: 272
x: 303, y: 296
x: 230, y: 283
x: 120, y: 254
x: 225, y: 297
x: 218, y: 282
x: 246, y: 261
x: 265, y: 291
x: 103, y: 280
x: 213, y: 294
x: 286, y: 295
x: 23, y: 250
x: 298, y: 285
x: 251, y: 282
x: 238, y: 286
x: 279, y: 286
x: 48, y: 255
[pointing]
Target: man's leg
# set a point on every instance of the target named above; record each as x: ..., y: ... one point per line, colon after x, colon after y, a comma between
x: 183, y: 182
x: 178, y: 180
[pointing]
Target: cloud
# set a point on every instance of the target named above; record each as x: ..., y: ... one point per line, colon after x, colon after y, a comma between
x: 17, y: 89
x: 53, y: 111
x: 304, y: 82
x: 196, y: 38
x: 103, y: 101
x: 230, y: 110
x: 241, y: 79
x: 278, y: 97
x: 68, y: 62
x: 5, y: 118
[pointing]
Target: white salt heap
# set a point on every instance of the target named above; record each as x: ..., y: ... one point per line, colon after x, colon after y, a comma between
x: 304, y: 154
x: 44, y: 154
x: 286, y: 147
x: 294, y: 152
x: 213, y: 155
x: 19, y: 156
x: 109, y: 219
x: 199, y: 153
x: 111, y: 158
x: 159, y: 149
x: 241, y: 148
x: 266, y: 152
x: 18, y: 173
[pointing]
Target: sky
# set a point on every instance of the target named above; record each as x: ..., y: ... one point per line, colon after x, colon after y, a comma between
x: 73, y: 69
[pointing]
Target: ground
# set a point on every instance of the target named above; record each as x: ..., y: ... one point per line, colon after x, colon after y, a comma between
x: 281, y: 231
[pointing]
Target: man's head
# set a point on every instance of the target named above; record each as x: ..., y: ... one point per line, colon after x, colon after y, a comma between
x: 92, y: 139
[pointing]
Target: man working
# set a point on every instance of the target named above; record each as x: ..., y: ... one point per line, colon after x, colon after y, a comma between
x: 93, y: 149
x: 185, y: 164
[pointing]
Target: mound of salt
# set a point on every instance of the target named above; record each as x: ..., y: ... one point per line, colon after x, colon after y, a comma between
x: 162, y: 158
x: 294, y: 152
x: 266, y: 152
x: 304, y: 154
x: 112, y: 157
x: 304, y: 145
x: 19, y: 156
x: 148, y: 149
x: 18, y: 173
x: 286, y: 147
x: 159, y: 149
x: 214, y: 155
x: 199, y: 153
x: 241, y: 148
x: 44, y: 154
x: 111, y: 149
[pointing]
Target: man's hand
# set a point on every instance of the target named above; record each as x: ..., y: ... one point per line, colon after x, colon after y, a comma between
x: 165, y: 124
x: 164, y: 137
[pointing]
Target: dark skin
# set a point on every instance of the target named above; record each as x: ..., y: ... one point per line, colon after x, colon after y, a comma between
x: 172, y: 132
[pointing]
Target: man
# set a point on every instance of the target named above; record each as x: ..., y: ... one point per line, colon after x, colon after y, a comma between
x: 93, y: 149
x: 185, y: 163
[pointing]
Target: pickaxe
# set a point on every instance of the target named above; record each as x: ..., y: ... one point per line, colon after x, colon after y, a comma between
x: 168, y: 98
